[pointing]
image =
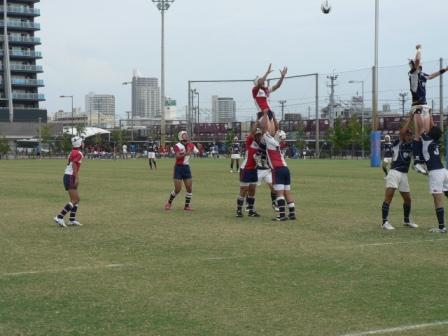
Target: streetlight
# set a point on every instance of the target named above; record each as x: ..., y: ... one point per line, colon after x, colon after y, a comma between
x: 71, y: 97
x: 362, y: 113
x: 162, y: 6
x: 195, y: 108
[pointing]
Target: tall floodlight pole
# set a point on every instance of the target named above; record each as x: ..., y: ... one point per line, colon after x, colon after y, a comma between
x: 362, y: 113
x: 71, y: 97
x: 441, y: 96
x: 375, y: 71
x: 162, y: 6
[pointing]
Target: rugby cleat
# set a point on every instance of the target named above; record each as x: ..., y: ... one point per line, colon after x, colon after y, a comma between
x: 60, y: 221
x: 275, y: 207
x: 387, y: 226
x: 253, y: 213
x: 74, y: 223
x: 420, y: 168
x: 411, y: 225
x: 188, y: 208
x: 279, y: 219
x: 292, y: 217
x: 239, y: 213
x: 167, y: 206
x: 437, y: 230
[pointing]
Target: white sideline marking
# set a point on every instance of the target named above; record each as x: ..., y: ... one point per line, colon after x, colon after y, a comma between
x: 67, y: 269
x: 397, y: 243
x: 398, y: 329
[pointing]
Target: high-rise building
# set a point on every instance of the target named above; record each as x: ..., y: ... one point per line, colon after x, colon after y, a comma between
x: 100, y: 109
x: 19, y: 94
x: 223, y: 109
x: 170, y: 109
x: 145, y: 97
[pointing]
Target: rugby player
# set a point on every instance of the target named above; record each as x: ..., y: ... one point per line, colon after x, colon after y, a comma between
x: 182, y: 151
x: 235, y: 156
x: 248, y: 176
x: 417, y: 81
x: 397, y: 177
x: 152, y: 155
x: 438, y: 175
x: 387, y: 155
x: 71, y: 182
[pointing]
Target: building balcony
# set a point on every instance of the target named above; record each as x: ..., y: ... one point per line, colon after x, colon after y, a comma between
x: 25, y: 82
x: 25, y: 96
x: 23, y: 54
x: 19, y: 25
x: 25, y: 68
x: 24, y: 115
x: 31, y: 40
x: 21, y: 10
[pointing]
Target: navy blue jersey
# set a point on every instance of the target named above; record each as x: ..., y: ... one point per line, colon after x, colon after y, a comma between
x: 151, y: 147
x: 417, y: 81
x: 261, y: 157
x: 431, y: 153
x: 387, y: 149
x: 402, y: 154
x: 236, y: 148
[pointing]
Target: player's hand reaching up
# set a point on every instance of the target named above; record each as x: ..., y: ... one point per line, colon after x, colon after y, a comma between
x: 283, y: 72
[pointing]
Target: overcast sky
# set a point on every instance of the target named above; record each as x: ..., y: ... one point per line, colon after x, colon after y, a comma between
x: 94, y: 45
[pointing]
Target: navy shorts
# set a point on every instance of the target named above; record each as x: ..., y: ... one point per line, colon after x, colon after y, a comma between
x: 248, y: 176
x: 270, y: 115
x: 182, y: 172
x: 281, y: 176
x: 69, y: 182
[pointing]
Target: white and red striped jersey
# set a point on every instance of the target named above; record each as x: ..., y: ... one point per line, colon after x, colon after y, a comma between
x: 74, y: 162
x: 273, y: 152
x: 251, y: 150
x: 181, y: 148
x: 261, y: 97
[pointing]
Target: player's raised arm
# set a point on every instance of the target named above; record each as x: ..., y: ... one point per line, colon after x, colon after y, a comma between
x: 407, y: 125
x: 280, y: 81
x: 260, y: 81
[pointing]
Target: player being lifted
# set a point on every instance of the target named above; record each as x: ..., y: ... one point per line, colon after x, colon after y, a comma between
x: 248, y: 175
x: 182, y: 150
x: 397, y: 177
x: 261, y: 92
x: 280, y: 172
x: 438, y: 175
x: 387, y: 155
x: 71, y: 182
x: 235, y: 155
x: 417, y: 81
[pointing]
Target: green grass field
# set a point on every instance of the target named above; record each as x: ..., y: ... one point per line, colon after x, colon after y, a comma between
x: 136, y: 269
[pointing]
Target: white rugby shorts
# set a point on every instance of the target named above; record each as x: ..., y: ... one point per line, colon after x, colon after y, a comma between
x: 422, y: 110
x: 438, y: 181
x: 397, y: 180
x: 151, y: 155
x: 387, y: 160
x: 264, y: 175
x: 235, y: 156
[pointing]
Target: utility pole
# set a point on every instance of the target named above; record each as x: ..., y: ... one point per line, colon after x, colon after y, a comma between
x: 402, y: 101
x: 442, y: 117
x: 332, y: 102
x: 282, y: 103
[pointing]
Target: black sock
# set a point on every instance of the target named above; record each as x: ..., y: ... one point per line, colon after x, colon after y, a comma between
x: 66, y: 209
x: 239, y: 203
x: 385, y: 171
x: 250, y: 202
x: 385, y: 211
x: 417, y: 149
x: 292, y: 209
x: 440, y: 212
x: 188, y: 197
x: 172, y: 197
x: 237, y: 165
x: 73, y: 213
x: 406, y: 212
x: 150, y: 163
x: 155, y: 164
x: 281, y: 206
x: 231, y: 164
x: 247, y: 202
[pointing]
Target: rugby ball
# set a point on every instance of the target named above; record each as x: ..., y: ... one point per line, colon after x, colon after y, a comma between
x: 325, y: 7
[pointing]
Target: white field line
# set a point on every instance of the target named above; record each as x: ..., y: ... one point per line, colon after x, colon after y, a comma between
x: 399, y: 329
x: 67, y: 269
x: 396, y: 243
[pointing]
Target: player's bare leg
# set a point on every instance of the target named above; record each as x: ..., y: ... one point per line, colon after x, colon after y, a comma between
x: 290, y: 204
x: 173, y: 194
x: 251, y: 200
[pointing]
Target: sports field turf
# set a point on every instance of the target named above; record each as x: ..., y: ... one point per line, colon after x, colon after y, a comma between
x: 136, y: 269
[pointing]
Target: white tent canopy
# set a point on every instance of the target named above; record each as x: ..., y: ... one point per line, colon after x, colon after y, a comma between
x: 87, y: 132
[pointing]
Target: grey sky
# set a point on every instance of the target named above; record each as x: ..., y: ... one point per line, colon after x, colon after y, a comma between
x: 94, y: 45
